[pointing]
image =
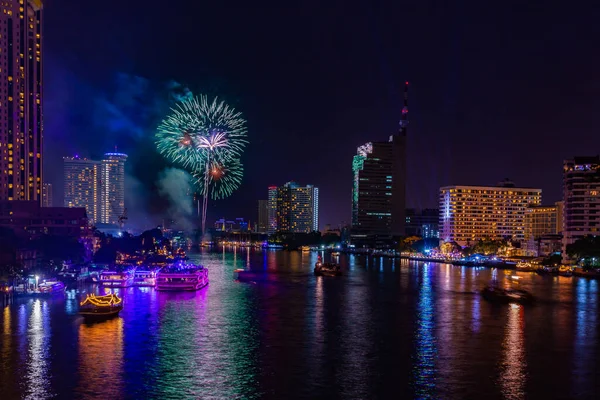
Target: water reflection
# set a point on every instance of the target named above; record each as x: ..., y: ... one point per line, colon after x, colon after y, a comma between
x: 513, y: 368
x: 586, y: 304
x: 38, y: 336
x: 424, y: 370
x: 101, y: 359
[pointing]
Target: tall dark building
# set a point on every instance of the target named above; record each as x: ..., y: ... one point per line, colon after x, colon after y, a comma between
x: 21, y: 100
x: 263, y: 216
x: 379, y: 187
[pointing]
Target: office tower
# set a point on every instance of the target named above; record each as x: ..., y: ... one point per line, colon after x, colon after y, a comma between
x: 263, y: 216
x: 541, y: 232
x: 379, y: 185
x: 112, y: 188
x: 82, y: 185
x: 472, y: 213
x: 21, y: 100
x: 581, y: 195
x: 272, y: 210
x: 297, y: 208
x: 47, y: 195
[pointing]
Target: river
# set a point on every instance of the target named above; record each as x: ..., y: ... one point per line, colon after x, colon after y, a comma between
x: 386, y: 329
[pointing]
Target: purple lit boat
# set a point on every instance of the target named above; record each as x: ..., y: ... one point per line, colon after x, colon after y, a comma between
x: 181, y: 278
x: 122, y: 279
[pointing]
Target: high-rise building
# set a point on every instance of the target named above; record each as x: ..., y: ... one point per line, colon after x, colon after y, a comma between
x: 263, y: 216
x: 272, y: 210
x: 581, y: 195
x: 297, y: 208
x: 82, y: 185
x: 472, y: 213
x: 379, y: 185
x: 47, y: 195
x: 540, y: 229
x: 112, y: 188
x: 21, y: 100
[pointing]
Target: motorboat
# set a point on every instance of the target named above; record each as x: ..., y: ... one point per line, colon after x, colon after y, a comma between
x: 51, y: 287
x: 181, y: 278
x: 495, y: 294
x: 122, y: 278
x: 95, y: 308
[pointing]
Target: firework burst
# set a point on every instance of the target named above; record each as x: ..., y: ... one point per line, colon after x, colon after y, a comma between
x: 223, y: 178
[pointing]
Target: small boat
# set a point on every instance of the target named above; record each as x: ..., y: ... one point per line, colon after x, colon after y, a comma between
x: 178, y: 278
x: 243, y: 275
x: 51, y: 287
x: 563, y: 270
x: 97, y: 308
x: 496, y: 294
x: 327, y: 269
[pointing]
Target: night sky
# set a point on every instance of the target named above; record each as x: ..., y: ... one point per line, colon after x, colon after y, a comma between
x: 504, y: 91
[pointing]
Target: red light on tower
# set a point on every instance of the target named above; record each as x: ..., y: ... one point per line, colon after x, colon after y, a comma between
x: 406, y: 83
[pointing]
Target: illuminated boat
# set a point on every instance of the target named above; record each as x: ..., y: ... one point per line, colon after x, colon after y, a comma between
x: 496, y: 294
x: 122, y: 279
x: 565, y: 270
x: 526, y: 267
x: 181, y: 278
x: 51, y: 288
x: 144, y: 278
x: 96, y: 308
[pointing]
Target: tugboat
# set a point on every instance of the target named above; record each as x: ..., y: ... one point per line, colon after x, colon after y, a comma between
x: 495, y: 294
x: 98, y: 308
x: 326, y: 269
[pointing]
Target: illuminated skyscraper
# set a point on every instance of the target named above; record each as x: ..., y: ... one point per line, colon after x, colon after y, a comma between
x: 47, y: 195
x: 272, y: 210
x: 581, y: 191
x: 112, y: 187
x: 379, y: 187
x: 82, y: 185
x: 21, y: 100
x: 297, y: 208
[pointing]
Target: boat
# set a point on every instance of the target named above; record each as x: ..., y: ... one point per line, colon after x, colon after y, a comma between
x: 588, y: 273
x: 243, y: 275
x: 178, y: 278
x: 122, y: 278
x: 326, y: 269
x: 564, y: 270
x: 497, y: 294
x: 526, y: 267
x: 144, y: 278
x: 51, y: 287
x: 96, y: 308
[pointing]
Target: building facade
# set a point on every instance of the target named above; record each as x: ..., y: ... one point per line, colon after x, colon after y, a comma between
x: 422, y: 222
x: 47, y: 200
x: 272, y: 210
x: 263, y: 216
x: 82, y: 185
x: 296, y: 208
x: 540, y: 229
x: 378, y: 193
x: 472, y: 213
x: 21, y: 100
x: 112, y: 188
x: 581, y: 197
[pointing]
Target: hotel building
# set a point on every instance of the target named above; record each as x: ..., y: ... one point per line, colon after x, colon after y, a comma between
x: 472, y: 213
x: 112, y: 188
x: 297, y: 208
x: 541, y: 230
x: 272, y: 210
x: 581, y: 195
x: 82, y: 185
x: 21, y: 100
x: 263, y: 216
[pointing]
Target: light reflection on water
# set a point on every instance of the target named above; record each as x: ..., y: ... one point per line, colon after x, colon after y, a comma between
x: 386, y: 329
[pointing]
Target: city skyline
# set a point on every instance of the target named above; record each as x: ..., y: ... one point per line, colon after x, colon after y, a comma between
x: 466, y: 128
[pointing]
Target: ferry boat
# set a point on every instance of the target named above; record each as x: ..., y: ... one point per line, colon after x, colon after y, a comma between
x: 144, y: 278
x: 178, y: 278
x: 95, y: 308
x: 113, y: 278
